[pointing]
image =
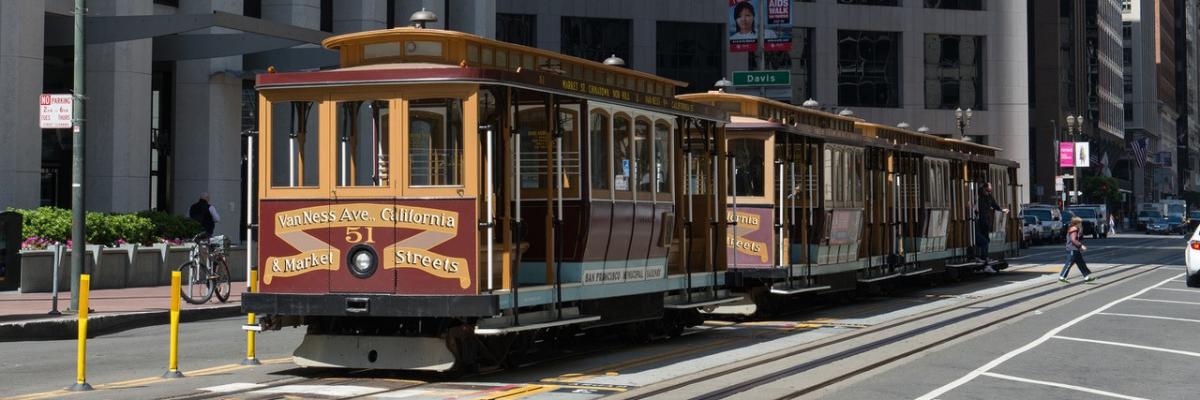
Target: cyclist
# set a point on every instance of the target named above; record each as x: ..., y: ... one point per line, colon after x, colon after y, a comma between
x: 205, y: 213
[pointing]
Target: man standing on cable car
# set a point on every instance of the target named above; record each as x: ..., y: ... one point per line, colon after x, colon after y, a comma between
x: 983, y: 224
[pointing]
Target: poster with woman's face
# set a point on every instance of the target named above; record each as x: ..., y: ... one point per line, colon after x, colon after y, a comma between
x: 743, y: 25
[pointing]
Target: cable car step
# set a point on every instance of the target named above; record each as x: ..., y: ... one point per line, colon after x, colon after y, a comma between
x: 783, y: 289
x: 531, y: 321
x: 681, y: 302
x: 917, y: 272
x: 879, y: 278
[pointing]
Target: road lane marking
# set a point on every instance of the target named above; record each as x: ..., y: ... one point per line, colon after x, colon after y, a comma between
x: 518, y: 392
x: 232, y: 387
x: 1151, y: 317
x: 1053, y: 332
x: 1178, y: 290
x: 323, y: 390
x: 1170, y: 301
x: 143, y: 381
x: 1061, y: 385
x: 1133, y: 346
x: 613, y: 369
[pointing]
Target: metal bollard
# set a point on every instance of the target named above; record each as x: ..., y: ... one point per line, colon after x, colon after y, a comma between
x: 173, y: 360
x: 250, y: 326
x: 81, y: 385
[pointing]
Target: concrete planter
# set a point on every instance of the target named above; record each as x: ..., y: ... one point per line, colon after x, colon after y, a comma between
x: 37, y: 269
x: 173, y: 257
x: 144, y: 267
x: 237, y: 264
x: 111, y: 270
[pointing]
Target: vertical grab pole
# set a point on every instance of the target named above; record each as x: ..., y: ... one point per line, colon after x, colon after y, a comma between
x: 733, y: 196
x: 792, y: 220
x: 558, y: 218
x: 687, y: 194
x: 252, y: 275
x: 520, y: 232
x: 342, y: 162
x: 714, y: 221
x: 779, y: 221
x: 491, y: 222
x: 173, y: 357
x: 81, y: 385
x: 807, y: 236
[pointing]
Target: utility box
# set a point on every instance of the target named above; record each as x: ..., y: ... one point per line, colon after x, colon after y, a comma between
x: 10, y: 250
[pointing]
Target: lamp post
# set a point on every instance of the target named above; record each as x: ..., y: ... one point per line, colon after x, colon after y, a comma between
x: 962, y: 119
x: 1075, y: 129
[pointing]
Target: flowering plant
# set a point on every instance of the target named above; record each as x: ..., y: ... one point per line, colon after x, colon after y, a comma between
x: 36, y: 243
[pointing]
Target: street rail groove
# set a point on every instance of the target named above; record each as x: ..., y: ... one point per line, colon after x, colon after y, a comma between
x: 681, y: 382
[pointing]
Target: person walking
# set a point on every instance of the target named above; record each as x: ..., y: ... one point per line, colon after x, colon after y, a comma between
x: 1075, y: 249
x: 1112, y: 225
x: 983, y: 225
x: 205, y: 213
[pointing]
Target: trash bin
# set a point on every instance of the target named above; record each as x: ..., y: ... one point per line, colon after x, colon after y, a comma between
x: 10, y: 250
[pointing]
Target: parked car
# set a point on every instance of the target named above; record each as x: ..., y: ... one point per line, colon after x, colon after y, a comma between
x: 1166, y: 225
x: 1191, y: 257
x: 1031, y: 231
x: 1051, y: 220
x: 1144, y: 218
x: 1094, y: 223
x: 1193, y: 221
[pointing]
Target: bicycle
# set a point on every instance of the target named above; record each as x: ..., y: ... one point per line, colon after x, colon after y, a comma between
x: 206, y: 271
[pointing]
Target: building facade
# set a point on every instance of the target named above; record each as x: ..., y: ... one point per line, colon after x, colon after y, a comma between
x: 916, y: 61
x: 1150, y: 90
x: 1077, y: 48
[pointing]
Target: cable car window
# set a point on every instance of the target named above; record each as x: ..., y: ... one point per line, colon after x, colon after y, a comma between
x: 748, y: 169
x: 294, y: 144
x: 622, y: 165
x: 598, y: 142
x: 435, y: 142
x: 537, y: 156
x: 362, y: 143
x: 662, y: 157
x: 641, y: 155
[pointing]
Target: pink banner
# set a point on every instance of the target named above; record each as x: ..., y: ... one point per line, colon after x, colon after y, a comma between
x: 1066, y: 154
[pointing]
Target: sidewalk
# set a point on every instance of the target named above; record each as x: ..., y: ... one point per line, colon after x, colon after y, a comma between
x: 23, y: 316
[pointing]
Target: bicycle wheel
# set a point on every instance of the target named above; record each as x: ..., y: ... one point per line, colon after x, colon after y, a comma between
x: 194, y: 285
x: 220, y: 280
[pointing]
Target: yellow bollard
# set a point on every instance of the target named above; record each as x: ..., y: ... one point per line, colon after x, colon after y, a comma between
x: 85, y: 281
x: 173, y: 362
x: 250, y: 358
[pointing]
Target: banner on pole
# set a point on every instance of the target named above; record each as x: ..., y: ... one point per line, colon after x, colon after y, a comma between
x: 1066, y: 154
x: 779, y: 26
x: 1083, y: 154
x: 743, y: 28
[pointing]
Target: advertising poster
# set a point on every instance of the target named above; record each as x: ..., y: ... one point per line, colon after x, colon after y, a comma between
x: 1066, y: 154
x: 779, y: 26
x: 744, y: 24
x: 1083, y: 154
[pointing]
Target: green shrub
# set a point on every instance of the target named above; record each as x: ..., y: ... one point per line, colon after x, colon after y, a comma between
x: 170, y: 226
x: 47, y: 223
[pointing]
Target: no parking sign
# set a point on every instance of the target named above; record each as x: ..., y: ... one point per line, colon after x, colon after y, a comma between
x: 56, y: 111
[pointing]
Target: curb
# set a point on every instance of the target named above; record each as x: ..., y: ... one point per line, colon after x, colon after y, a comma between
x: 63, y: 328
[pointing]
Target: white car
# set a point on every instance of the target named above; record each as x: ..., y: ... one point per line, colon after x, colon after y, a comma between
x: 1192, y: 258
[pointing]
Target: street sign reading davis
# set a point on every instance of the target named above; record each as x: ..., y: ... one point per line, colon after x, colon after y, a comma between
x: 56, y: 111
x: 762, y: 78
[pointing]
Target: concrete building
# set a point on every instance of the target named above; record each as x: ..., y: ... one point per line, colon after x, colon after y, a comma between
x: 1077, y: 48
x: 1187, y: 51
x: 916, y: 61
x: 1150, y: 96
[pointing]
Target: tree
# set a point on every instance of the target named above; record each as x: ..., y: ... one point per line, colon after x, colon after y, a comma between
x: 1102, y: 190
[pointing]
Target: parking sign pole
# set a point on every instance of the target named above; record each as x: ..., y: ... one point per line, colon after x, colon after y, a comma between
x: 77, y: 118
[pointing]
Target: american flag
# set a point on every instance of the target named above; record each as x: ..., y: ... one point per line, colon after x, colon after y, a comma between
x: 1139, y: 151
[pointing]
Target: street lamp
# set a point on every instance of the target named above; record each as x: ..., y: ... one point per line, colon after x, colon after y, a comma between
x: 1075, y: 129
x: 962, y: 119
x: 722, y: 84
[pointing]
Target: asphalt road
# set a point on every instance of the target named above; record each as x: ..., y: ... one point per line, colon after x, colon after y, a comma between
x: 1081, y: 355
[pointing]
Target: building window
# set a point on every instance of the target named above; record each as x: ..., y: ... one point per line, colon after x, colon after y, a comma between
x: 868, y: 69
x: 172, y: 3
x: 893, y: 3
x: 802, y: 65
x: 517, y: 29
x: 1128, y: 112
x: 690, y: 52
x: 327, y: 15
x: 597, y: 38
x: 252, y: 8
x: 953, y: 72
x: 955, y: 4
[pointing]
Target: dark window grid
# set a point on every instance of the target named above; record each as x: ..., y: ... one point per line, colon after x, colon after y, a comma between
x: 517, y: 29
x: 597, y: 38
x: 891, y: 3
x: 690, y: 52
x: 953, y: 79
x: 974, y: 5
x: 868, y: 72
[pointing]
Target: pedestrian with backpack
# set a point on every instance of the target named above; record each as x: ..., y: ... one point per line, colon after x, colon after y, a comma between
x: 205, y: 213
x: 1075, y: 249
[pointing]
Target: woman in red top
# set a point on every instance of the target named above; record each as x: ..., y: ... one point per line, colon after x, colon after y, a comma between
x: 1075, y: 249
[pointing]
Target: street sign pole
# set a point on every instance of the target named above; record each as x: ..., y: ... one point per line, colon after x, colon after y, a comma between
x: 77, y: 215
x: 760, y: 51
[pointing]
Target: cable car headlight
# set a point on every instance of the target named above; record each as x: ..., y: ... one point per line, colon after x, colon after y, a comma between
x: 363, y: 261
